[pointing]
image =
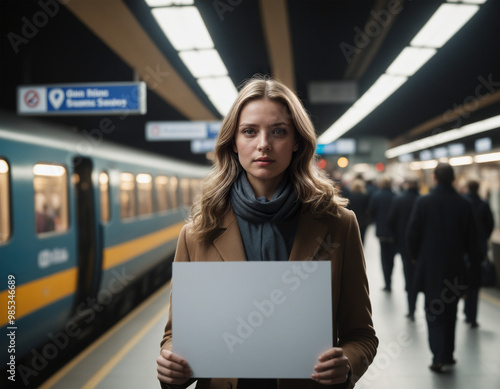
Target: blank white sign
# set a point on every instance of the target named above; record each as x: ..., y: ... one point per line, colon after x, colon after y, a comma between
x: 251, y: 319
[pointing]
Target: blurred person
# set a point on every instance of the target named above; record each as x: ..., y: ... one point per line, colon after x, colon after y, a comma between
x: 380, y: 204
x: 398, y: 218
x: 485, y: 226
x: 442, y: 230
x: 266, y: 200
x: 359, y: 201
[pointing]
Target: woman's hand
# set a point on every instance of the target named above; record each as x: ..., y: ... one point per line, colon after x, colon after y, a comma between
x: 172, y: 369
x: 333, y: 367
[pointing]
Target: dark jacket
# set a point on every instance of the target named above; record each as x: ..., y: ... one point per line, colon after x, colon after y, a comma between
x: 359, y: 203
x: 380, y: 204
x: 484, y: 219
x: 399, y: 217
x: 441, y: 232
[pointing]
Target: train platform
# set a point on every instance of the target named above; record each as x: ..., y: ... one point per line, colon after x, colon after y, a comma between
x: 125, y: 356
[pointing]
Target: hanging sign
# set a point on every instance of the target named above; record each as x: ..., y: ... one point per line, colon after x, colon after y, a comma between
x: 82, y: 99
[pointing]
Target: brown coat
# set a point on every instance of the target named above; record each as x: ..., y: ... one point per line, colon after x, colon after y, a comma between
x: 330, y: 238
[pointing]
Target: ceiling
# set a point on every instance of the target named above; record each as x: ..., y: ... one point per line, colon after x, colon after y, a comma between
x: 298, y: 41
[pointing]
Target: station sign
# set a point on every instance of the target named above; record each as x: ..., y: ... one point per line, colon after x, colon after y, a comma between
x: 341, y: 146
x: 82, y: 99
x: 181, y: 130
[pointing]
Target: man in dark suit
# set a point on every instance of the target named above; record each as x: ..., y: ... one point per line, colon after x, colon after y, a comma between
x: 399, y: 216
x: 485, y: 226
x: 441, y: 232
x: 380, y: 203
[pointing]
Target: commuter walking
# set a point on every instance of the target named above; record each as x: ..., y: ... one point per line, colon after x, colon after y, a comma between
x: 399, y: 216
x: 485, y: 225
x: 359, y: 201
x: 380, y: 204
x: 442, y: 230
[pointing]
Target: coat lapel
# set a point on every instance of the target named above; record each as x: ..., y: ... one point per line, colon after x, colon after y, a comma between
x: 229, y: 243
x: 308, y: 238
x: 310, y: 233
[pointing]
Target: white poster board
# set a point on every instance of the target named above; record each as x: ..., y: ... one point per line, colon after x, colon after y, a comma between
x: 251, y: 319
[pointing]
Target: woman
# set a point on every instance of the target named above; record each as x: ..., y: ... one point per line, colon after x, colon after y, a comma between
x: 266, y: 200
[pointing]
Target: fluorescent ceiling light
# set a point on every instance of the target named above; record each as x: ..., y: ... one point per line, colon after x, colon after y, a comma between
x: 165, y: 3
x: 183, y: 27
x: 221, y: 91
x: 460, y: 161
x: 446, y: 21
x: 431, y: 164
x: 371, y: 99
x: 410, y: 60
x: 491, y: 157
x: 444, y: 137
x: 203, y: 63
x: 468, y: 1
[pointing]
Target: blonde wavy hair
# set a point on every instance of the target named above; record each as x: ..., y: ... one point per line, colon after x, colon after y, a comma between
x: 314, y: 189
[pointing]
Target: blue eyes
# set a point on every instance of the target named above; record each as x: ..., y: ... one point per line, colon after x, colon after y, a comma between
x: 275, y: 131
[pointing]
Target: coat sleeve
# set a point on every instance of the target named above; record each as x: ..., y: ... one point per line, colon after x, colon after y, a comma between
x: 181, y: 255
x: 356, y: 333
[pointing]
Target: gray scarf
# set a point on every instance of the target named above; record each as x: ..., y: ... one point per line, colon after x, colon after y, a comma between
x: 267, y: 226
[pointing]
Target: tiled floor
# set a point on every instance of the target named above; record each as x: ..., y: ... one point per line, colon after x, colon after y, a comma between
x: 127, y: 358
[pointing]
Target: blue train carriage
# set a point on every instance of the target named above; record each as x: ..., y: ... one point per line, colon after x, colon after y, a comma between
x: 85, y: 227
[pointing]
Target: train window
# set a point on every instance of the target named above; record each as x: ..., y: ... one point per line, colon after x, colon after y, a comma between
x: 127, y: 195
x: 195, y: 189
x: 145, y: 193
x: 173, y: 183
x: 4, y: 201
x: 186, y: 192
x: 161, y: 187
x: 50, y: 185
x: 104, y: 196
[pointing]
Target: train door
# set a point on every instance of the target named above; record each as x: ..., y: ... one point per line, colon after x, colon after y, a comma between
x: 85, y: 215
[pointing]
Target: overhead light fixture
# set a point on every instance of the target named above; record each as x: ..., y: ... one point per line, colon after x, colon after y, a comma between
x: 371, y: 99
x: 419, y: 165
x: 166, y: 3
x: 410, y: 60
x: 203, y: 63
x: 446, y: 21
x: 445, y: 137
x: 468, y: 1
x: 460, y: 161
x: 490, y: 157
x: 221, y: 92
x: 184, y: 27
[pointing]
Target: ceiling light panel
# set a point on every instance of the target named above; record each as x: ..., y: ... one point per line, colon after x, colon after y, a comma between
x: 166, y: 3
x: 203, y: 63
x: 220, y: 91
x: 410, y: 60
x: 446, y: 21
x: 183, y: 27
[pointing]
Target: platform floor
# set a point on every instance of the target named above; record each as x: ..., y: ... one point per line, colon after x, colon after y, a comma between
x: 125, y: 357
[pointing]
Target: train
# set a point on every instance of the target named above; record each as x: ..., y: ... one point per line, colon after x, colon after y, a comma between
x: 86, y: 226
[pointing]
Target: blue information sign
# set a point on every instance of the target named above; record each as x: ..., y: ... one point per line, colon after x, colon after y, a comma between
x: 83, y: 99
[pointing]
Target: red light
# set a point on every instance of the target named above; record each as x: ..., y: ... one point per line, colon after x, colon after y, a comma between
x: 321, y: 163
x: 380, y: 167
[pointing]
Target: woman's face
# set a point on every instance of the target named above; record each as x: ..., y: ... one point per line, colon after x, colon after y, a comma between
x: 264, y: 141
